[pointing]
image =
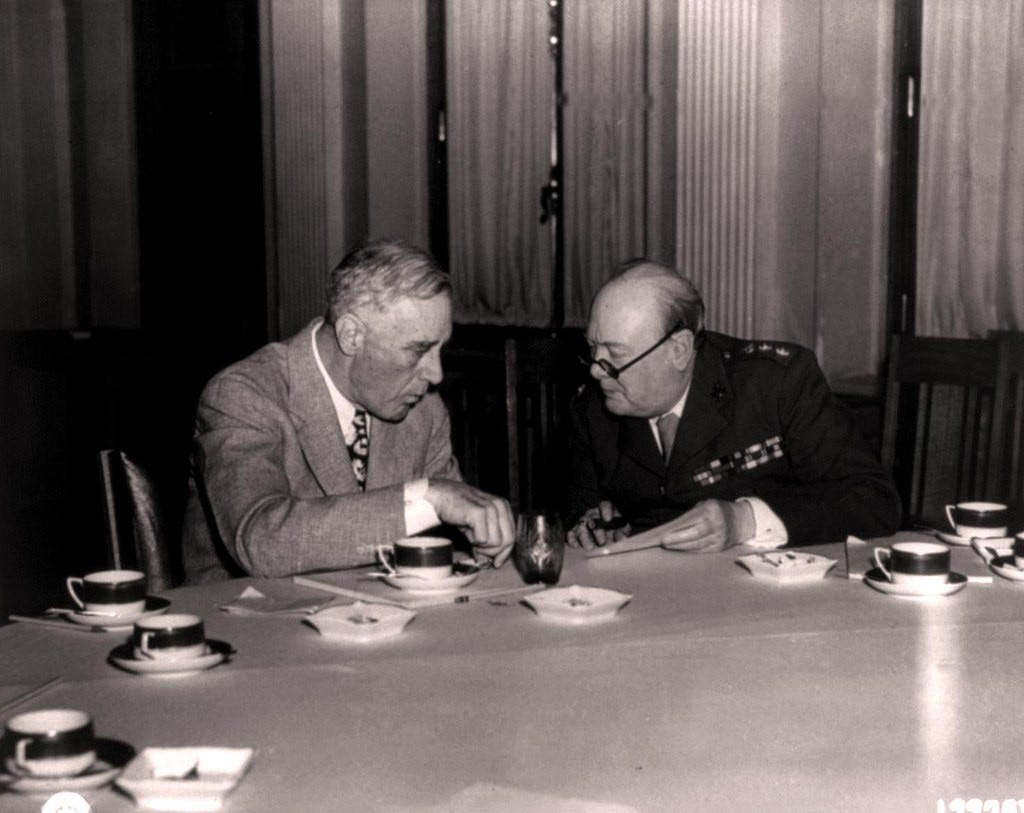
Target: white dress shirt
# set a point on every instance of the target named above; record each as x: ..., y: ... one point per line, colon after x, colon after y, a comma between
x: 419, y: 514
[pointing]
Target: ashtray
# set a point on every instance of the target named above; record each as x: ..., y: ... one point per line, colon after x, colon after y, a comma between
x: 360, y: 622
x: 577, y: 604
x: 787, y: 567
x: 184, y: 778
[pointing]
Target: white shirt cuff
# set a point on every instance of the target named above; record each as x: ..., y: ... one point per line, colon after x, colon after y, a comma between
x: 769, y: 530
x: 419, y: 514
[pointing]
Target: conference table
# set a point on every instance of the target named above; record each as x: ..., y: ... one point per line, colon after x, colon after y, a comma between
x: 709, y: 690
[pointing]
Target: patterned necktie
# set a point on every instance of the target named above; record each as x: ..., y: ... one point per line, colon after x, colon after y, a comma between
x: 667, y: 425
x: 359, y: 449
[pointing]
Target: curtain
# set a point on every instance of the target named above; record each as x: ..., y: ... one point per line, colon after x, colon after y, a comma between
x: 500, y: 80
x: 970, y: 244
x: 604, y: 121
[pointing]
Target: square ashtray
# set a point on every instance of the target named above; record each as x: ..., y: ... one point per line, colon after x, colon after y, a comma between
x: 577, y: 604
x: 360, y: 622
x: 787, y: 567
x: 184, y: 778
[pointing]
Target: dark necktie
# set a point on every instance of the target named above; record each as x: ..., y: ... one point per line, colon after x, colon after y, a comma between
x: 359, y: 449
x: 667, y: 425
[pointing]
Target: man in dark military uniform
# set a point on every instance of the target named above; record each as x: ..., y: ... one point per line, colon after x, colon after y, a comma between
x: 721, y: 441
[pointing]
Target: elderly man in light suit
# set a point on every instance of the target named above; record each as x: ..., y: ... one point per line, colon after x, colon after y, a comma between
x: 312, y: 451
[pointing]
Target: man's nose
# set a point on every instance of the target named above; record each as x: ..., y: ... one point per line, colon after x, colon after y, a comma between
x: 430, y: 367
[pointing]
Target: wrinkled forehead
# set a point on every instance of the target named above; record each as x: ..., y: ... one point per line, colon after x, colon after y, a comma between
x: 624, y: 315
x: 410, y: 319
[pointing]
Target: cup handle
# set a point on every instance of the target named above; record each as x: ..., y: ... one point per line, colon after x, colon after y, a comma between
x: 19, y: 751
x: 71, y: 582
x: 381, y: 550
x: 878, y: 561
x: 144, y: 644
x: 949, y: 516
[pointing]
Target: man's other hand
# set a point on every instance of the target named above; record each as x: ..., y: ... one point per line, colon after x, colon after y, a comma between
x: 485, y: 519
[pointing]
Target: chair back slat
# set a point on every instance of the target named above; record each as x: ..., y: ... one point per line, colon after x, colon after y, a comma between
x: 941, y: 432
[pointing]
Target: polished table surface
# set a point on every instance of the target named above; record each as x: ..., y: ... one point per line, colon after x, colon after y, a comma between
x: 711, y: 690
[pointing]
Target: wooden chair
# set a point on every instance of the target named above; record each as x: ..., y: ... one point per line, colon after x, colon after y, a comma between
x: 1008, y: 427
x: 144, y: 512
x: 542, y: 373
x: 508, y: 394
x: 942, y: 427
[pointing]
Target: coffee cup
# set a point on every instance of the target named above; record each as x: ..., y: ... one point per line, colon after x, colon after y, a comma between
x: 427, y: 557
x: 50, y: 742
x: 978, y: 520
x: 110, y: 592
x: 914, y: 563
x: 178, y: 636
x: 1018, y: 550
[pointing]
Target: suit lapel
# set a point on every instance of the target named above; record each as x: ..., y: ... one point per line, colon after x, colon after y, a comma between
x: 321, y: 438
x: 636, y: 441
x: 708, y: 408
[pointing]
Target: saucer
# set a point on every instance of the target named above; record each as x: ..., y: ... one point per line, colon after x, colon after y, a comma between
x: 876, y: 578
x: 787, y: 567
x: 155, y: 605
x: 359, y: 622
x: 111, y: 757
x: 953, y: 539
x: 1003, y: 565
x: 216, y: 652
x: 577, y: 604
x: 462, y: 575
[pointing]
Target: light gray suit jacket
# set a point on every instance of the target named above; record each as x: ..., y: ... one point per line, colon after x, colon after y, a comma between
x: 271, y: 491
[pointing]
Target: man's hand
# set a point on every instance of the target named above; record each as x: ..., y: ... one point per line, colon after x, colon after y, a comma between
x: 486, y: 520
x: 711, y: 525
x: 597, y: 527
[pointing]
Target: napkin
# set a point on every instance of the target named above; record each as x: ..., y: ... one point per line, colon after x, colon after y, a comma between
x: 253, y: 602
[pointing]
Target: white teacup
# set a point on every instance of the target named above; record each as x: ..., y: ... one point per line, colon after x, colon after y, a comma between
x: 115, y: 593
x: 426, y: 557
x: 50, y: 742
x: 914, y: 563
x: 978, y: 520
x: 178, y: 636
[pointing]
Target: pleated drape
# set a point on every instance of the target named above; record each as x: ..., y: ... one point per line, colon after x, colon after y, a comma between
x: 970, y: 245
x: 500, y: 86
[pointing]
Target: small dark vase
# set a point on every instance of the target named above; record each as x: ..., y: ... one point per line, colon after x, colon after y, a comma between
x: 539, y: 548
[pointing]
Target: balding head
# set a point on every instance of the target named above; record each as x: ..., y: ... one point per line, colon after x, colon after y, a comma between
x: 662, y: 292
x: 645, y: 305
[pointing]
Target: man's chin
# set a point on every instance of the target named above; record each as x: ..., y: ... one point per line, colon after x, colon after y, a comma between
x: 616, y: 404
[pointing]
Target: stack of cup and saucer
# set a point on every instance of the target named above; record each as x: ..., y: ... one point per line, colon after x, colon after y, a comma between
x: 976, y: 520
x: 110, y: 600
x: 51, y: 750
x: 173, y: 645
x: 424, y: 564
x: 914, y: 569
x: 1004, y: 561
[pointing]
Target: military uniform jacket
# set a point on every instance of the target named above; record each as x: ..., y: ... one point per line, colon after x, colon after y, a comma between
x: 759, y: 421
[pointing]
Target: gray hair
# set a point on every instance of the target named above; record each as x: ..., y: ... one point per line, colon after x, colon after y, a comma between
x: 678, y: 298
x: 379, y: 272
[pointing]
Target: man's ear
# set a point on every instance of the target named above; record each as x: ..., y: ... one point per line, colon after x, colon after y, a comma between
x: 682, y: 346
x: 350, y: 332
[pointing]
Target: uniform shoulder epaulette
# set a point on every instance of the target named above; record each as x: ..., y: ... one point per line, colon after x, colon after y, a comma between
x: 779, y: 352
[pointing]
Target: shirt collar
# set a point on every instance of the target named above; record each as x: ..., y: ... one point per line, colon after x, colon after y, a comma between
x: 677, y: 410
x: 345, y: 409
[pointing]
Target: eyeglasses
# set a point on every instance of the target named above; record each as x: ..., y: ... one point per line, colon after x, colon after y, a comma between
x: 612, y: 371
